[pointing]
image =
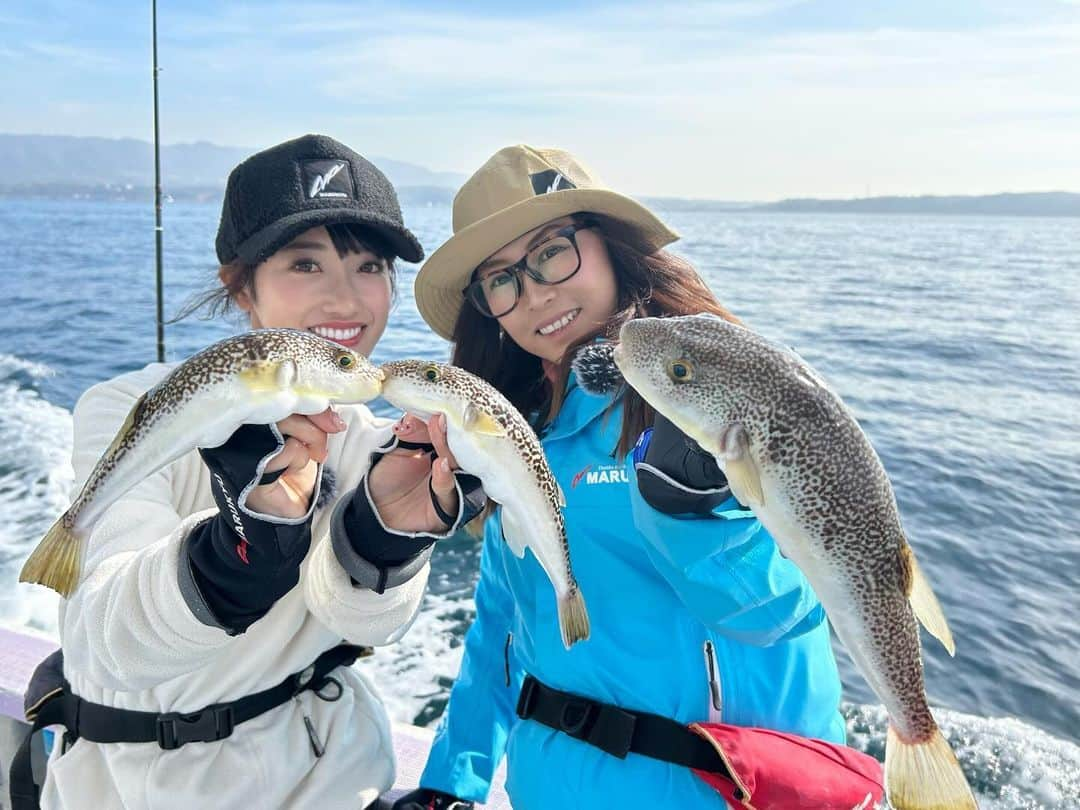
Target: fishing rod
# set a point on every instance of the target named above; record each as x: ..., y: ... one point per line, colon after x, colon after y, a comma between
x: 157, y: 201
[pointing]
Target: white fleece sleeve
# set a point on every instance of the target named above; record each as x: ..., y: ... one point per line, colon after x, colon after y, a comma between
x: 127, y: 626
x: 357, y: 614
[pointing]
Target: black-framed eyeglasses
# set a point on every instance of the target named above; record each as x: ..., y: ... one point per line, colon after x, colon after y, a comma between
x: 553, y: 261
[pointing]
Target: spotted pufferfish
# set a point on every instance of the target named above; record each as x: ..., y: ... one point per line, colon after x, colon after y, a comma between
x: 258, y: 377
x: 492, y: 440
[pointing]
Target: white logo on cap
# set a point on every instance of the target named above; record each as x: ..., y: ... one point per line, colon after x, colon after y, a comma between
x: 323, y: 180
x: 554, y: 184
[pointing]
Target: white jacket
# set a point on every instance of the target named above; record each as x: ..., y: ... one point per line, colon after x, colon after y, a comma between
x: 130, y: 640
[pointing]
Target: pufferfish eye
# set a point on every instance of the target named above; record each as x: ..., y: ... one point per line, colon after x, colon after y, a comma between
x: 345, y: 360
x: 680, y: 370
x: 431, y: 373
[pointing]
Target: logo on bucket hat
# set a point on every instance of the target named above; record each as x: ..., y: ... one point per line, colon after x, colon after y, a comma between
x: 550, y: 180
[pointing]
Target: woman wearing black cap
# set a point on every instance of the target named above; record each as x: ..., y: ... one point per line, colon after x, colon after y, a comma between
x: 208, y: 655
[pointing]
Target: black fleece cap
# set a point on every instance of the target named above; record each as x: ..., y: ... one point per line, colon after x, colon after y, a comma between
x: 277, y: 194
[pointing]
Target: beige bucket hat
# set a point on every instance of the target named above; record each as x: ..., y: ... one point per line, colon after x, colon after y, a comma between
x: 518, y: 189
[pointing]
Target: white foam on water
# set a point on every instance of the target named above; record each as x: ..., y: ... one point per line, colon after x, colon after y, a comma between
x: 35, y: 481
x: 1009, y: 764
x: 414, y: 675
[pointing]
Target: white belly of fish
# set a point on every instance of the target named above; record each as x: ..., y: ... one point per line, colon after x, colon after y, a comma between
x: 830, y: 580
x: 207, y: 419
x: 527, y: 520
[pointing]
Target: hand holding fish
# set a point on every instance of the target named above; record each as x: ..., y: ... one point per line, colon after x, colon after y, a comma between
x: 250, y: 379
x: 305, y: 448
x: 496, y: 444
x: 399, y: 482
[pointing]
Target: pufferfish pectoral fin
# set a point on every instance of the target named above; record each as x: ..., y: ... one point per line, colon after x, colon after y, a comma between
x: 268, y: 377
x: 739, y: 466
x: 286, y: 373
x: 480, y: 421
x: 130, y: 423
x: 513, y: 532
x: 925, y: 605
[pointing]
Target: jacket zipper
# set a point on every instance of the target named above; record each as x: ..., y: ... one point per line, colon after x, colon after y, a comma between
x: 317, y: 747
x: 716, y: 699
x: 506, y: 657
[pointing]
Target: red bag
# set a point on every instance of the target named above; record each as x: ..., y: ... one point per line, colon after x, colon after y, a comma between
x: 778, y: 771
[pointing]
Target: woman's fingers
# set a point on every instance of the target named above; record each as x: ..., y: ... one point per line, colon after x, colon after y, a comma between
x: 444, y: 486
x: 290, y: 494
x: 411, y: 429
x: 437, y: 431
x: 292, y: 458
x: 328, y: 421
x: 312, y: 430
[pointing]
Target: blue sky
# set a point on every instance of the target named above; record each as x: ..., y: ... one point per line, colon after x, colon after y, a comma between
x: 751, y: 99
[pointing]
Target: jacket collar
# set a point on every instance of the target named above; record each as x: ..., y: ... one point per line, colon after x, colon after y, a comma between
x: 578, y: 410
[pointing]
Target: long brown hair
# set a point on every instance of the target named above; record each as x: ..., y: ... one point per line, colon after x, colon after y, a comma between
x: 649, y: 283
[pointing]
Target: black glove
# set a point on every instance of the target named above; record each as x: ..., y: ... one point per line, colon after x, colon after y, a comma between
x: 424, y: 799
x: 377, y: 557
x: 241, y: 561
x: 675, y: 475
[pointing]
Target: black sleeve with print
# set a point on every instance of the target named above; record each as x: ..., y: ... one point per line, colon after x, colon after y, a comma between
x: 240, y: 561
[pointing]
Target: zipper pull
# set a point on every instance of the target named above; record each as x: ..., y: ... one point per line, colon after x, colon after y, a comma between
x: 506, y: 656
x: 714, y: 683
x: 317, y: 748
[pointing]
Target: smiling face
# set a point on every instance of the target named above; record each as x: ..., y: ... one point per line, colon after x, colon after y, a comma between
x: 548, y: 319
x: 307, y: 285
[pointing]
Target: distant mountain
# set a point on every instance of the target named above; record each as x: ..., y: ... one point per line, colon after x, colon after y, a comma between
x: 51, y: 165
x: 1037, y: 204
x: 672, y: 204
x: 65, y: 166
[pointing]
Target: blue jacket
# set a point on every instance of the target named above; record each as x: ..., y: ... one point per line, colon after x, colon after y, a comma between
x: 662, y: 594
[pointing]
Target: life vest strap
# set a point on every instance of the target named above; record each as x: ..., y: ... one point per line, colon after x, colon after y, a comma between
x: 170, y: 730
x: 615, y: 730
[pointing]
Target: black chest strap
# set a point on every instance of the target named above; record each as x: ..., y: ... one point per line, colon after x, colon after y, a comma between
x: 170, y: 730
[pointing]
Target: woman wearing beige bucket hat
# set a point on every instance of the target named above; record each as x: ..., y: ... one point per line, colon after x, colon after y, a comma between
x: 694, y: 614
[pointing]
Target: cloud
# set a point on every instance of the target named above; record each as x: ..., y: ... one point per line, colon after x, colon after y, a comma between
x: 71, y: 56
x: 631, y: 52
x: 802, y: 112
x: 768, y: 103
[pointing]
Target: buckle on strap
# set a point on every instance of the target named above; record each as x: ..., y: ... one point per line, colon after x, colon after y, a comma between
x: 607, y: 727
x: 612, y: 731
x: 209, y: 725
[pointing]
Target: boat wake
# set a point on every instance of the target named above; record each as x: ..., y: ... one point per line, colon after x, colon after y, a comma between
x: 35, y: 478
